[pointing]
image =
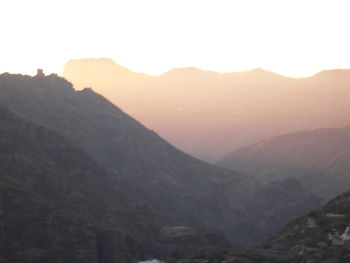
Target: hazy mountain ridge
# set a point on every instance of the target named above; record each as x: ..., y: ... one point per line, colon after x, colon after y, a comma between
x: 255, y: 104
x: 319, y: 159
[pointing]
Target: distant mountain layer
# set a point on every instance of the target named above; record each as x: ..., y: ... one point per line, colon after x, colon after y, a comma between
x: 320, y: 159
x: 170, y: 196
x: 208, y: 114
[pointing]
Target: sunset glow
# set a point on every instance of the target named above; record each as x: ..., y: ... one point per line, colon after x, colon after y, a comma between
x: 293, y: 38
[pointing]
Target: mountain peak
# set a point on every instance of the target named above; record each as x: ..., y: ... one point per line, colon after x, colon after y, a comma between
x: 95, y: 63
x: 259, y: 72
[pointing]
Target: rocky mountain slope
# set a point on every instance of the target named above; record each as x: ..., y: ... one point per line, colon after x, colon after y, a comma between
x: 319, y: 159
x: 208, y: 114
x: 177, y: 193
x: 56, y: 204
x: 320, y: 236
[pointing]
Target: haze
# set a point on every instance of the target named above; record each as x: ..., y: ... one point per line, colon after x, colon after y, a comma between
x: 293, y: 38
x: 173, y: 130
x: 208, y: 114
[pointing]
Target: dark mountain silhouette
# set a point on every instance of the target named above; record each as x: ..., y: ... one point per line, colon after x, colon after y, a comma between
x: 208, y: 114
x: 319, y: 159
x: 182, y: 198
x: 56, y: 204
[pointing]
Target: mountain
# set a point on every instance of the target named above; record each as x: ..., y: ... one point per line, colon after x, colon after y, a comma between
x: 208, y: 114
x: 318, y: 158
x: 182, y: 196
x: 56, y: 204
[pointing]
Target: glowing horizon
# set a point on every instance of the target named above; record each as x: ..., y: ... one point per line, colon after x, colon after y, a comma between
x: 290, y: 38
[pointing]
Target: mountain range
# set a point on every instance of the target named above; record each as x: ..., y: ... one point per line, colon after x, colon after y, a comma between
x: 208, y: 114
x: 80, y: 175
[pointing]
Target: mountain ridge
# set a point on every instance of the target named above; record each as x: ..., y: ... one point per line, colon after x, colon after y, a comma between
x: 107, y: 60
x: 319, y: 158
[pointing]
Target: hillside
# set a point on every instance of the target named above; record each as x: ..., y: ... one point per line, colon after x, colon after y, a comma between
x: 316, y: 237
x: 321, y: 236
x: 208, y: 114
x: 318, y: 158
x: 56, y: 203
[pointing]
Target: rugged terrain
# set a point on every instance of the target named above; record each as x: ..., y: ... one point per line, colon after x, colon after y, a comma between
x: 321, y: 236
x: 314, y: 238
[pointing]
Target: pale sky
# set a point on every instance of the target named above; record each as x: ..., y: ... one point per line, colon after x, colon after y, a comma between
x: 291, y: 37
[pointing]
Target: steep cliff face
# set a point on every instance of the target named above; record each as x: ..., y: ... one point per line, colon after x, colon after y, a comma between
x: 168, y: 188
x: 319, y: 159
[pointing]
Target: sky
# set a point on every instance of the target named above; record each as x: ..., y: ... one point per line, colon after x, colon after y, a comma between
x: 291, y: 37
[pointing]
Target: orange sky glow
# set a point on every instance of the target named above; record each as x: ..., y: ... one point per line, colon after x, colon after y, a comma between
x: 290, y: 37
